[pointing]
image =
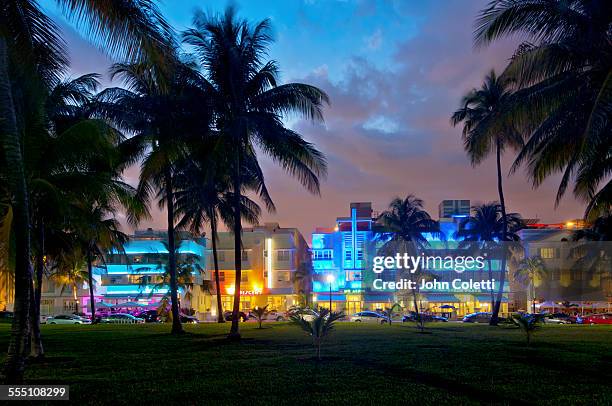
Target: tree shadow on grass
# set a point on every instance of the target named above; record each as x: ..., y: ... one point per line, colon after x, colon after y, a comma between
x: 440, y: 382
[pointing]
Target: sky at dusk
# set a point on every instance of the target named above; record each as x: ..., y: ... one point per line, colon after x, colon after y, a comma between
x: 395, y: 71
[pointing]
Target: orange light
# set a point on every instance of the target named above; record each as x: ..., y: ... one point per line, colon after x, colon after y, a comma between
x: 230, y: 289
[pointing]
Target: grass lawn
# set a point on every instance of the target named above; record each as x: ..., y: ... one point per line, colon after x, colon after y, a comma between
x: 363, y: 364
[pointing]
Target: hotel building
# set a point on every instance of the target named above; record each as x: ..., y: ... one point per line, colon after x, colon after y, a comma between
x: 135, y: 275
x: 275, y: 268
x: 342, y: 267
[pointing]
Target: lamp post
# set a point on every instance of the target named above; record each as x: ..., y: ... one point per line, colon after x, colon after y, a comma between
x: 330, y: 279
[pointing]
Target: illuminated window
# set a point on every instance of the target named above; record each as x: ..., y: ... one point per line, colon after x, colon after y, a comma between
x: 322, y: 254
x: 222, y: 276
x: 135, y: 279
x: 359, y: 255
x: 244, y: 276
x: 547, y: 253
x: 348, y: 255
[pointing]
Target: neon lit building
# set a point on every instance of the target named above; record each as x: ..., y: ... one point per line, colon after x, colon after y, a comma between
x: 134, y: 276
x: 340, y: 265
x: 275, y: 268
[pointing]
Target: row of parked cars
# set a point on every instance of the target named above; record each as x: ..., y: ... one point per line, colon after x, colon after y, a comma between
x: 149, y: 316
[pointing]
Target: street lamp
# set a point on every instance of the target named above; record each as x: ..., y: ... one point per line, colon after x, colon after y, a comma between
x: 330, y: 279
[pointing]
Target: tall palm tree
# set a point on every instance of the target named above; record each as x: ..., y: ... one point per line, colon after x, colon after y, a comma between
x: 530, y: 270
x: 564, y: 74
x: 32, y: 51
x: 404, y: 226
x: 163, y: 111
x: 487, y: 129
x: 485, y: 230
x: 249, y: 107
x: 202, y: 196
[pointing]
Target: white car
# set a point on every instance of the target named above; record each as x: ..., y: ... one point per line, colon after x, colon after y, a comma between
x: 67, y: 319
x: 307, y: 314
x: 121, y: 318
x: 555, y: 320
x: 369, y: 317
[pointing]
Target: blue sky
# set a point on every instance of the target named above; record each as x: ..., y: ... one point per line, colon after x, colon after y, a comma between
x: 395, y: 71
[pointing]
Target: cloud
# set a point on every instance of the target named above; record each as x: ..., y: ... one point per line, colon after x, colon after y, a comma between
x: 375, y: 40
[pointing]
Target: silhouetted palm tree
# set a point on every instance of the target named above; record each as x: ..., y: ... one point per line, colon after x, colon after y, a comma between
x: 203, y: 196
x: 160, y: 108
x: 32, y: 53
x: 485, y: 229
x: 528, y: 271
x: 487, y: 129
x: 565, y: 76
x: 404, y: 228
x: 249, y: 107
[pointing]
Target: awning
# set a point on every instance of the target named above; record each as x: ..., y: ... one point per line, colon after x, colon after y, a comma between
x: 487, y: 298
x: 379, y: 297
x: 335, y: 298
x: 130, y: 304
x: 441, y: 298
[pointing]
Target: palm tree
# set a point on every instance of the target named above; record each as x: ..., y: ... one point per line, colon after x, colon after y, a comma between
x: 388, y: 313
x: 528, y: 324
x: 260, y: 313
x: 404, y: 226
x: 487, y: 129
x: 564, y: 74
x: 485, y: 230
x: 249, y: 107
x: 98, y: 233
x: 319, y: 328
x: 32, y: 51
x: 528, y: 271
x: 71, y: 272
x: 160, y: 108
x: 202, y: 195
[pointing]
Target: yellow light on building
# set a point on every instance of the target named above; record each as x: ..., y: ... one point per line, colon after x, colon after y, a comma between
x: 570, y: 224
x: 269, y: 261
x: 230, y: 289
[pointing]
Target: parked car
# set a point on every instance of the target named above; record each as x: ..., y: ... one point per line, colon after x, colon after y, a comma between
x: 67, y: 319
x: 149, y: 316
x: 241, y: 316
x: 479, y: 317
x: 6, y: 317
x: 428, y: 318
x: 369, y: 317
x: 121, y: 318
x: 277, y: 316
x: 305, y: 313
x: 556, y: 318
x: 188, y: 319
x: 602, y: 318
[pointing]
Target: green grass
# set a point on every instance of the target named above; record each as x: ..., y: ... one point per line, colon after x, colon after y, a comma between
x: 371, y: 364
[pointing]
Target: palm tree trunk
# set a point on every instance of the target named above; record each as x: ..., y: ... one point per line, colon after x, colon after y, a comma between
x: 176, y: 320
x: 234, y: 330
x: 502, y: 203
x: 37, y: 350
x: 92, y: 303
x: 213, y: 231
x: 20, y: 334
x: 416, y: 310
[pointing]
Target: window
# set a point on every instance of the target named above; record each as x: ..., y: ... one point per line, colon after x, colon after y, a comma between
x: 135, y: 279
x: 221, y: 255
x: 322, y: 254
x: 283, y: 255
x: 244, y: 276
x: 48, y: 286
x: 283, y: 276
x: 245, y: 256
x: 221, y: 276
x: 547, y: 253
x: 348, y: 255
x: 359, y: 255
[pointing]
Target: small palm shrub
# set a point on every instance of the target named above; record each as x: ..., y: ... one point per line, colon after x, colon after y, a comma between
x: 319, y: 328
x: 528, y: 324
x: 260, y: 313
